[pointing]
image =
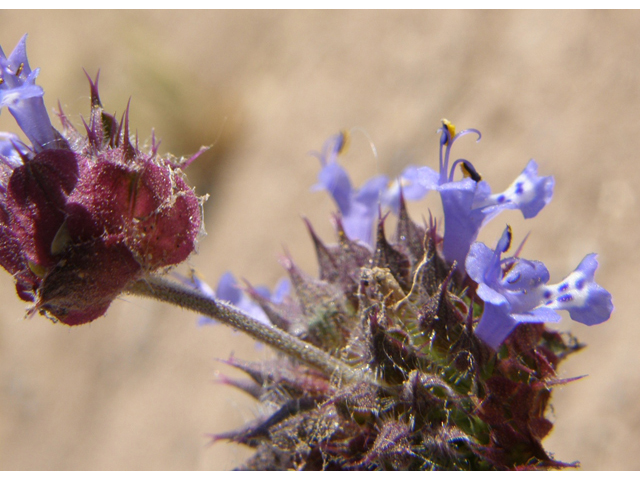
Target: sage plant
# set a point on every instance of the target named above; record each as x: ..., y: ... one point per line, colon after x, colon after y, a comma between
x: 410, y: 351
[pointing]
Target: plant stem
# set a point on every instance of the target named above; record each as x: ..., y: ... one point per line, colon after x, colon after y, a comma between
x: 164, y: 290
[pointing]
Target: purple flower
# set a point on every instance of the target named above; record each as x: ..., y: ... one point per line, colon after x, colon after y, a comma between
x: 515, y: 291
x: 19, y: 92
x: 229, y: 291
x: 359, y: 208
x: 409, y: 184
x: 468, y: 203
x: 585, y: 300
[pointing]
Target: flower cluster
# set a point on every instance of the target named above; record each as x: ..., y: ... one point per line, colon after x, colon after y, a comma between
x: 453, y: 332
x: 514, y: 293
x: 468, y: 203
x: 83, y: 215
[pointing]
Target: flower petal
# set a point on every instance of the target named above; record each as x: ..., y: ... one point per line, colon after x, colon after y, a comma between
x: 461, y: 223
x: 480, y: 259
x: 528, y: 193
x: 495, y: 325
x: 579, y: 294
x: 537, y: 315
x: 334, y: 179
x: 23, y: 97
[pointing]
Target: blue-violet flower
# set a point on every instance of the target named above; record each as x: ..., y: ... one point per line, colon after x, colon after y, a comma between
x: 229, y: 291
x: 468, y: 203
x: 358, y: 208
x: 20, y: 94
x: 515, y: 290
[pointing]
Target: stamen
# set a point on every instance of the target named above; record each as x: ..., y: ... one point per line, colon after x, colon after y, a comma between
x: 20, y: 68
x: 450, y: 130
x: 446, y: 140
x: 513, y: 278
x: 507, y: 265
x: 343, y: 141
x: 442, y: 170
x: 469, y: 172
x: 505, y: 240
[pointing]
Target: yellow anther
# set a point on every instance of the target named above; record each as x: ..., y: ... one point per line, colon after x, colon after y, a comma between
x: 469, y: 172
x: 20, y: 68
x: 451, y: 128
x: 344, y: 140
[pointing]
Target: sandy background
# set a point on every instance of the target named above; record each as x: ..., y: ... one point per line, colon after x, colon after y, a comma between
x: 135, y: 389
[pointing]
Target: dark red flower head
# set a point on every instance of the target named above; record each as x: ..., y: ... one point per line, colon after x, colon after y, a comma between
x: 83, y: 215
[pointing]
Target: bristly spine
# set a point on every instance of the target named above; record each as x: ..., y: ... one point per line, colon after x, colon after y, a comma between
x: 443, y: 399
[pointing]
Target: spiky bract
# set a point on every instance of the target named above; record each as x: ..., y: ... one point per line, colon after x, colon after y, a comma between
x: 442, y: 399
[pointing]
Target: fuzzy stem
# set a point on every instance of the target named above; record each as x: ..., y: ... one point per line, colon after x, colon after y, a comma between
x: 176, y: 294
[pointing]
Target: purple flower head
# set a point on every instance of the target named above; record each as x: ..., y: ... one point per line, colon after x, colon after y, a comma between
x: 229, y: 291
x: 359, y: 208
x: 82, y: 216
x: 515, y: 291
x: 468, y: 203
x: 20, y: 94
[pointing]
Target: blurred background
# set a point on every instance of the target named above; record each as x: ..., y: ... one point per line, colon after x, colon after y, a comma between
x: 136, y: 389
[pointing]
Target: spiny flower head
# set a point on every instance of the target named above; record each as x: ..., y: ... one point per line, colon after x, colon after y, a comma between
x: 454, y: 384
x: 83, y: 214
